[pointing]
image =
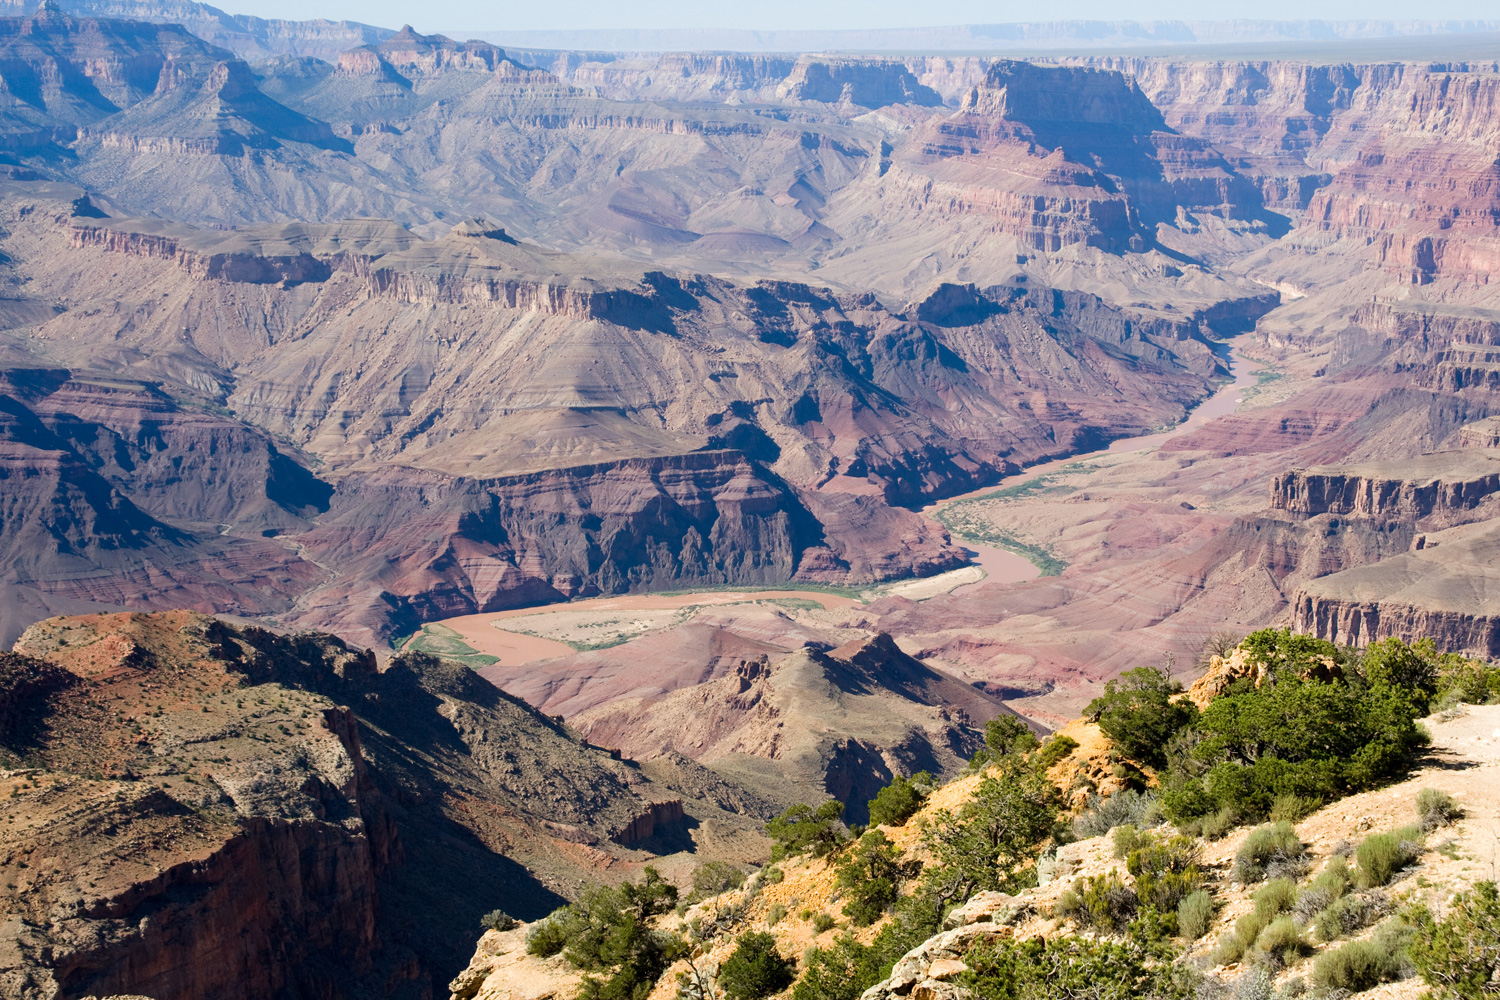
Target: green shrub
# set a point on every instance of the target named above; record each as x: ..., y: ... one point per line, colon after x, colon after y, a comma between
x: 1138, y: 713
x: 1004, y: 736
x: 1280, y: 943
x: 1102, y: 903
x: 755, y: 969
x: 1195, y: 914
x: 1362, y: 965
x: 1124, y: 808
x: 1271, y: 902
x: 1165, y: 872
x: 1308, y: 732
x: 1382, y: 855
x: 1349, y: 914
x: 870, y: 877
x: 1330, y: 885
x: 994, y: 840
x: 607, y: 931
x: 1126, y: 839
x: 801, y: 828
x: 1232, y: 946
x: 822, y: 922
x: 1412, y: 667
x: 1273, y: 849
x: 547, y: 938
x: 1008, y: 969
x: 713, y: 878
x: 775, y: 914
x: 1436, y: 808
x: 894, y: 804
x: 498, y: 920
x: 1214, y: 826
x: 1465, y: 681
x: 1292, y: 808
x: 1276, y: 897
x: 1459, y: 956
x: 1054, y: 750
x: 841, y: 971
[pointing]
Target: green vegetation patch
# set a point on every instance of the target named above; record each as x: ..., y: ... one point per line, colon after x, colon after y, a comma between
x: 447, y: 644
x: 965, y: 529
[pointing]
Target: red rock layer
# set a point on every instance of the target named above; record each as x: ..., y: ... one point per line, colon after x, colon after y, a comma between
x: 1060, y: 156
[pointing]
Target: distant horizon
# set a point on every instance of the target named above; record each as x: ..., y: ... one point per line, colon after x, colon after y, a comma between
x: 831, y: 15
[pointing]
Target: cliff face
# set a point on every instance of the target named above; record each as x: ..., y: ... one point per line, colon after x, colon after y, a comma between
x: 1455, y: 486
x: 207, y: 810
x: 420, y: 546
x: 870, y: 83
x: 1397, y: 159
x: 1085, y: 157
x: 116, y: 494
x: 160, y: 88
x: 1436, y: 586
x: 408, y: 55
x: 150, y: 867
x: 547, y: 428
x: 252, y: 38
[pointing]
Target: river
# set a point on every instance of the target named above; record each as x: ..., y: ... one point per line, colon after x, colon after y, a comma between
x: 483, y: 633
x: 1004, y: 566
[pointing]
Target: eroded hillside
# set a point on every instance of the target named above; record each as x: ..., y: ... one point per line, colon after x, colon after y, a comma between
x: 1053, y: 866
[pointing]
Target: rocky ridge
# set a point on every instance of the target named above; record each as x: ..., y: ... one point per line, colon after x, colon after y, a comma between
x: 188, y: 791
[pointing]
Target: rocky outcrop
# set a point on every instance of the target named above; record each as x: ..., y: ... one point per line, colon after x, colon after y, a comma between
x: 501, y: 969
x: 932, y: 969
x: 258, y: 814
x: 1395, y: 158
x: 1087, y: 160
x: 655, y: 820
x: 249, y: 37
x: 1447, y: 486
x: 867, y: 82
x: 408, y: 55
x: 117, y: 494
x: 254, y: 269
x: 797, y: 726
x: 1444, y: 589
x: 1331, y: 615
x: 148, y: 896
x: 1480, y: 434
x: 1418, y: 574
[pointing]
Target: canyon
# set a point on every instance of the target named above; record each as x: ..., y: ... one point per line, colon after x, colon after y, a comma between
x: 762, y: 425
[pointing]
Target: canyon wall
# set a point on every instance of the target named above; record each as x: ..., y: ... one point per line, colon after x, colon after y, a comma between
x: 263, y: 811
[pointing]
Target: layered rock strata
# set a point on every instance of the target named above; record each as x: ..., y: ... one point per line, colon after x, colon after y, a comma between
x: 203, y: 809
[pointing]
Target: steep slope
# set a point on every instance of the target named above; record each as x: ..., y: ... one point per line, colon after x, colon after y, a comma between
x: 216, y: 810
x: 1387, y: 163
x: 116, y: 496
x: 1088, y: 146
x: 810, y: 724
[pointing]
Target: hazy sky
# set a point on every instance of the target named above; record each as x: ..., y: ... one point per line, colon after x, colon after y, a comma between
x: 431, y: 15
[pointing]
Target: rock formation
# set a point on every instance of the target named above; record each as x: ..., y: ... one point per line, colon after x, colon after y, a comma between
x: 208, y: 809
x: 804, y: 725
